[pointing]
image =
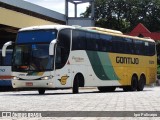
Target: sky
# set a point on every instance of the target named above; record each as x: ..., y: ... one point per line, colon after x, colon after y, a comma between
x: 59, y: 6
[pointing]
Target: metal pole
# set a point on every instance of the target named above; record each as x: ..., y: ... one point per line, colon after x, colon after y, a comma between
x: 92, y: 10
x: 75, y: 10
x: 66, y: 11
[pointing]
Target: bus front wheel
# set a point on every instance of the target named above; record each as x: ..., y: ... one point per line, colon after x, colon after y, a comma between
x: 75, y: 88
x: 41, y: 91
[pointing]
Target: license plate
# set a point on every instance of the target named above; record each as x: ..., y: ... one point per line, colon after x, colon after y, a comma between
x: 29, y: 84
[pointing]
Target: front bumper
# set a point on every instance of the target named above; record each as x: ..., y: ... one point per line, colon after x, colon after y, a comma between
x: 32, y: 84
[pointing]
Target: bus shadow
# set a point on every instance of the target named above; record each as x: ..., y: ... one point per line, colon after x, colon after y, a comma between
x: 70, y: 93
x: 46, y: 94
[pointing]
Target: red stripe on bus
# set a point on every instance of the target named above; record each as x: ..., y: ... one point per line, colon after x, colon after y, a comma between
x: 6, y: 77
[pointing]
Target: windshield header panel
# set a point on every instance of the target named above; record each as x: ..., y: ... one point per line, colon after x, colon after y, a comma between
x: 36, y: 36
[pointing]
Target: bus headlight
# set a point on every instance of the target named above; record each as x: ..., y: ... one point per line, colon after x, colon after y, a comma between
x: 46, y: 77
x: 15, y: 78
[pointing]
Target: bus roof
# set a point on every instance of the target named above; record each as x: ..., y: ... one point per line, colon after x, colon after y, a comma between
x: 91, y: 29
x: 105, y: 30
x: 58, y: 27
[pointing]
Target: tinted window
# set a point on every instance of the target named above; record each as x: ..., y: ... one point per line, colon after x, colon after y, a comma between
x: 129, y: 49
x: 64, y: 38
x: 106, y: 43
x: 63, y: 48
x: 139, y: 47
x: 84, y: 40
x: 150, y: 49
x: 146, y: 47
x: 78, y: 40
x: 118, y: 44
x: 93, y: 41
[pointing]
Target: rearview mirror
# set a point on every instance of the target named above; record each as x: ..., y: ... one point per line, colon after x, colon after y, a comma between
x: 4, y: 48
x: 52, y: 47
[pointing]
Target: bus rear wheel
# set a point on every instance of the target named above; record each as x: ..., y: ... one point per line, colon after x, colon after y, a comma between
x: 133, y: 86
x: 141, y: 83
x: 107, y: 89
x: 41, y: 91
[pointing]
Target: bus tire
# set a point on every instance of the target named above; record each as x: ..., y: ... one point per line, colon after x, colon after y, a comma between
x: 141, y: 83
x: 107, y: 89
x: 134, y: 83
x: 75, y: 88
x: 41, y: 91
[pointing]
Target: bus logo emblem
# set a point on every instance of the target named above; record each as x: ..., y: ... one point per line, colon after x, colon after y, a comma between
x: 63, y: 79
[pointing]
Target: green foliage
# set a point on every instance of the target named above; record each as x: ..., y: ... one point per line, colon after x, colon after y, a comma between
x: 124, y: 15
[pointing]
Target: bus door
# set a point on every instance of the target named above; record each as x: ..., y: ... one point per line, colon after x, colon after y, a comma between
x: 62, y: 68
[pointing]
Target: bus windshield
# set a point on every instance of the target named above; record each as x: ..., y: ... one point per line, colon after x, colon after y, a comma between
x: 36, y: 36
x: 31, y: 52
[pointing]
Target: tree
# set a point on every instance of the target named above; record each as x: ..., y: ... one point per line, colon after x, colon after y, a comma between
x: 124, y: 15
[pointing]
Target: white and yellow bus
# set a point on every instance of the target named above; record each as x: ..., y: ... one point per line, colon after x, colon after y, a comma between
x: 59, y: 56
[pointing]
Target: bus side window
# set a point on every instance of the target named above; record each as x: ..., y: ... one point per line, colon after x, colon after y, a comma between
x: 151, y: 49
x: 129, y: 49
x: 91, y: 44
x: 118, y: 44
x: 98, y: 42
x: 139, y: 47
x: 79, y: 40
x: 106, y: 43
